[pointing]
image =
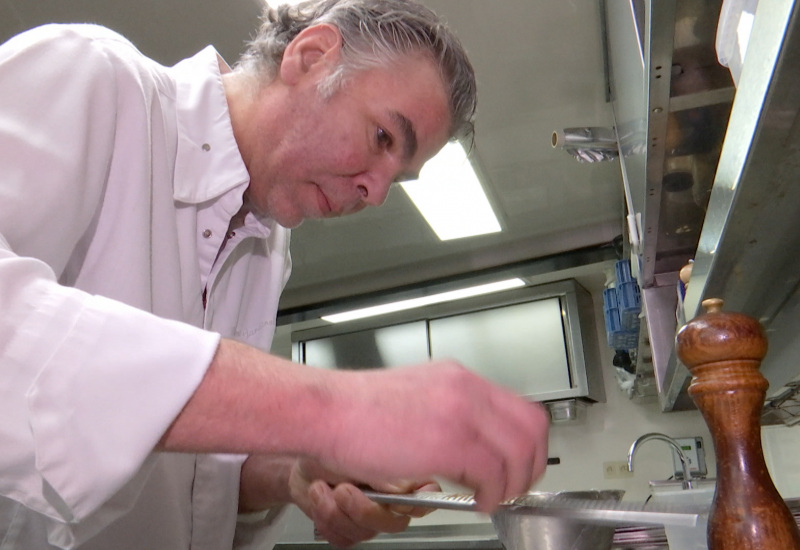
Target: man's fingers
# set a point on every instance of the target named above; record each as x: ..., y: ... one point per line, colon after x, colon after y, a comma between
x: 331, y: 522
x: 368, y: 514
x: 524, y: 461
x: 502, y: 447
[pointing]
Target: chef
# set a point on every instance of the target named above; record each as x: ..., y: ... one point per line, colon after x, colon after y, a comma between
x: 145, y: 214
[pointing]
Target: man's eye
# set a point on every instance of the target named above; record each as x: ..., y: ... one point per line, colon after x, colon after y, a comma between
x: 384, y: 139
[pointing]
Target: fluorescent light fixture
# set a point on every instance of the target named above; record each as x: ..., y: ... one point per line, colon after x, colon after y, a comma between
x: 450, y: 197
x: 424, y: 301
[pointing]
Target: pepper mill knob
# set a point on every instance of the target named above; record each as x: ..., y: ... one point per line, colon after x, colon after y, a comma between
x: 721, y: 336
x: 723, y: 352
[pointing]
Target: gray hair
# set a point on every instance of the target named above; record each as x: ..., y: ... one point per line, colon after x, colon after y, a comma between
x: 375, y: 33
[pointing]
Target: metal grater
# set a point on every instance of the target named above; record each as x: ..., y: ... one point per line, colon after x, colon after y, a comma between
x: 586, y: 510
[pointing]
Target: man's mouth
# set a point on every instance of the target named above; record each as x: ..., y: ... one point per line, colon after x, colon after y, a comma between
x: 325, y: 206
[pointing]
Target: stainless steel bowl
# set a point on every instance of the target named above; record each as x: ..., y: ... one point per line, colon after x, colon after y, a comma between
x: 518, y: 530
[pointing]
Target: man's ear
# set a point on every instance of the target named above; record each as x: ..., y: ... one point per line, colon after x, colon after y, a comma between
x: 313, y: 51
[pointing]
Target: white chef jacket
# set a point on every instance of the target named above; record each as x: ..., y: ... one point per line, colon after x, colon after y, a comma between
x: 118, y: 179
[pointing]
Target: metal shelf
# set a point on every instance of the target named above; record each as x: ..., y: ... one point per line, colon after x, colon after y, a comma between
x: 747, y: 252
x: 672, y: 101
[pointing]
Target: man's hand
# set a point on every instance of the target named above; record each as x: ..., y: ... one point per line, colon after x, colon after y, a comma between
x: 341, y: 513
x: 437, y: 419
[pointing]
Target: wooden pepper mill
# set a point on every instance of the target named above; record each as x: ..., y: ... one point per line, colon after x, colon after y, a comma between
x: 723, y: 352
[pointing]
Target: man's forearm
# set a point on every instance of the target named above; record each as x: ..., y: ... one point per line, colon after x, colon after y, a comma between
x: 251, y: 402
x: 374, y: 425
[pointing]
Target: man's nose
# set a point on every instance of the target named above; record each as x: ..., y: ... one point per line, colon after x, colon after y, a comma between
x: 374, y: 188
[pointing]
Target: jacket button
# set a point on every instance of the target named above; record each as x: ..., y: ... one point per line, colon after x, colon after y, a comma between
x: 206, y: 233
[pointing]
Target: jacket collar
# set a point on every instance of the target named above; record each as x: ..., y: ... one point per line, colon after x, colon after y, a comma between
x: 208, y: 163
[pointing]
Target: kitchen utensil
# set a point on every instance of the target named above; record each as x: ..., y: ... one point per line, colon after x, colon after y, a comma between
x: 598, y: 507
x: 575, y: 520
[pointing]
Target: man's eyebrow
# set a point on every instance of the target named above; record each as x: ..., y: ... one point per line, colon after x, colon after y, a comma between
x: 409, y: 135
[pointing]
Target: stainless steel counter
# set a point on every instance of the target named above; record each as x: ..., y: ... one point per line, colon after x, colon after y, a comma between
x: 653, y: 538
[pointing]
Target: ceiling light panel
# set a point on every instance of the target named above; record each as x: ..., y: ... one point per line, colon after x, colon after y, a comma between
x: 450, y: 197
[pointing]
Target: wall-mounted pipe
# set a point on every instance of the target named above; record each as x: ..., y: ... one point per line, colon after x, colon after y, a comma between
x: 589, y: 144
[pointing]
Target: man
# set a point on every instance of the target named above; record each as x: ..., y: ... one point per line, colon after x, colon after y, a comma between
x: 144, y: 215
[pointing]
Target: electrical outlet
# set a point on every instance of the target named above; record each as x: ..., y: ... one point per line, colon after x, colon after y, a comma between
x: 616, y: 470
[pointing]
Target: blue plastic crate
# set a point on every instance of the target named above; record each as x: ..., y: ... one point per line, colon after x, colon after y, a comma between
x: 610, y: 298
x: 623, y: 271
x: 613, y: 323
x: 617, y: 336
x: 629, y: 301
x: 623, y: 339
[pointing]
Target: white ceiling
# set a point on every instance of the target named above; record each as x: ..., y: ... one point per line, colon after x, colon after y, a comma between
x: 540, y: 67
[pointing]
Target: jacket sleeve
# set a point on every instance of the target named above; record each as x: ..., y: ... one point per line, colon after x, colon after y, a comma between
x: 87, y: 385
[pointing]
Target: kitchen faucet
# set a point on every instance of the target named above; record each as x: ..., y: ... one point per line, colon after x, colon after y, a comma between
x: 687, y: 476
